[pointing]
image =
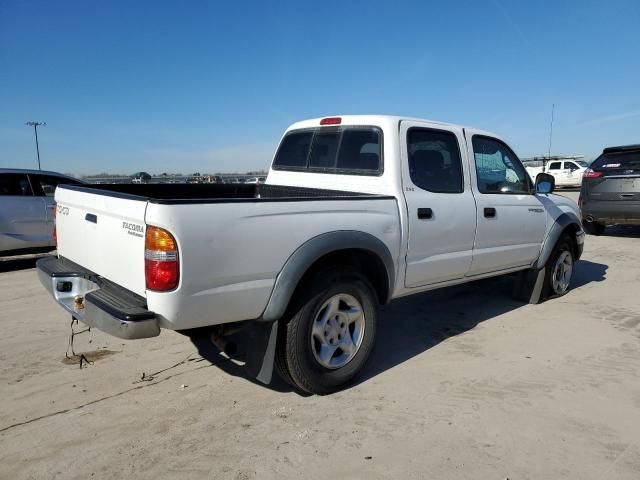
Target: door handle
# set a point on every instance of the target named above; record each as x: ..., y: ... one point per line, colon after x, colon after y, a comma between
x: 425, y: 213
x: 490, y: 212
x: 91, y: 217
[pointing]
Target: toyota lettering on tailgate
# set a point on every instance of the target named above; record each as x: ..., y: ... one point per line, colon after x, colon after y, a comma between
x: 133, y: 229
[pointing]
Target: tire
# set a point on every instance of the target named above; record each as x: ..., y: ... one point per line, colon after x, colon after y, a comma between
x: 329, y: 332
x: 593, y: 228
x: 559, y: 269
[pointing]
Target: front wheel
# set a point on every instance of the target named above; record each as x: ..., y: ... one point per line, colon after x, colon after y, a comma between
x: 559, y: 269
x: 328, y: 336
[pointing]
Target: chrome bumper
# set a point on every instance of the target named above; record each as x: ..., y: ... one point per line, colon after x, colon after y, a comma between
x: 95, y: 301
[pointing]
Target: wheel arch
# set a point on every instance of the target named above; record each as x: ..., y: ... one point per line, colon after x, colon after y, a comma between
x: 566, y: 223
x: 346, y: 247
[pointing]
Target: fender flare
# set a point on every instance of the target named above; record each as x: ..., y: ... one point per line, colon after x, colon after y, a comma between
x: 559, y: 226
x: 299, y: 262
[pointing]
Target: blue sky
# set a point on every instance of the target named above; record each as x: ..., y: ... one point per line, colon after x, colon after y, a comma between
x: 210, y: 86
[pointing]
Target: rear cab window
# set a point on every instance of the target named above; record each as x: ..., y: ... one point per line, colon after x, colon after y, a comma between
x: 352, y: 150
x: 15, y: 184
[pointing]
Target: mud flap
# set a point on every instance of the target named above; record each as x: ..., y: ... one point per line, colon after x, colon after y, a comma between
x: 528, y: 286
x: 262, y: 351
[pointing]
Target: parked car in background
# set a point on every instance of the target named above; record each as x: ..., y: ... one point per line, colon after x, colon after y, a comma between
x: 26, y: 209
x: 610, y: 192
x: 252, y: 180
x: 140, y: 177
x: 567, y: 173
x: 356, y: 211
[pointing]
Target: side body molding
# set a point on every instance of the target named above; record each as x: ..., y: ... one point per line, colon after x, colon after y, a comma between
x: 562, y: 222
x: 315, y: 248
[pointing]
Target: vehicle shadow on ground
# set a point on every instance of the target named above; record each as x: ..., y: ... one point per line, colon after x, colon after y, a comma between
x: 412, y: 325
x: 18, y: 263
x: 629, y: 231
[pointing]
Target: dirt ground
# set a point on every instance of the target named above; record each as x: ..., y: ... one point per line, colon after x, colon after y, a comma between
x: 464, y: 383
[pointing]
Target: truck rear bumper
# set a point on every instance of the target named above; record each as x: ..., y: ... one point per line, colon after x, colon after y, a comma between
x: 95, y: 301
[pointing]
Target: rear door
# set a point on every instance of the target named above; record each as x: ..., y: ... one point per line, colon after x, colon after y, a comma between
x: 103, y: 233
x: 440, y: 204
x: 22, y: 215
x: 511, y: 219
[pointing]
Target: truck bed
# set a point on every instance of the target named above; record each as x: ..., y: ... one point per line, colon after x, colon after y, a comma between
x: 233, y: 240
x: 164, y: 193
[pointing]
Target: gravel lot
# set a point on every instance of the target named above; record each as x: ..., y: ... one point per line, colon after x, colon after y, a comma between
x: 464, y: 383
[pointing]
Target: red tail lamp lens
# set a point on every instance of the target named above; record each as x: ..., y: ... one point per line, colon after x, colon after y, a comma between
x: 161, y: 267
x: 331, y: 121
x: 589, y: 173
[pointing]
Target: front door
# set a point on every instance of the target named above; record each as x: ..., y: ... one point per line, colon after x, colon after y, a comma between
x: 555, y: 169
x: 440, y: 204
x: 511, y: 219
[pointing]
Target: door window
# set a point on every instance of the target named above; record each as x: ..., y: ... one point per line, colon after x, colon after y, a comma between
x: 434, y: 160
x: 14, y: 184
x: 498, y: 169
x: 555, y: 165
x: 570, y: 166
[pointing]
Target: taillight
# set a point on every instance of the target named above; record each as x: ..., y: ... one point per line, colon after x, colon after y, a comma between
x: 161, y: 267
x: 55, y: 231
x: 590, y: 173
x: 331, y: 121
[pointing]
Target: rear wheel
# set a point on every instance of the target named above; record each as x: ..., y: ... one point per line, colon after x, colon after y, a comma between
x: 593, y: 228
x: 328, y: 336
x: 559, y: 269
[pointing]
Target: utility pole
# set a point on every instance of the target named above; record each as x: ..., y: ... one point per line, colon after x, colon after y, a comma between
x: 553, y: 106
x: 35, y: 126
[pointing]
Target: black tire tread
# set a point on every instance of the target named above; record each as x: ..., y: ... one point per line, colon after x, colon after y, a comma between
x: 564, y: 241
x: 306, y: 296
x: 593, y: 228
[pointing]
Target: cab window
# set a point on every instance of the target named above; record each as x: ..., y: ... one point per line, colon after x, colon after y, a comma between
x: 349, y: 150
x: 45, y: 185
x: 555, y: 165
x: 14, y: 184
x: 571, y: 166
x: 498, y: 170
x: 434, y: 160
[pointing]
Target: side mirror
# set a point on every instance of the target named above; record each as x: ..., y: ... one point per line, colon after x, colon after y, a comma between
x: 545, y: 183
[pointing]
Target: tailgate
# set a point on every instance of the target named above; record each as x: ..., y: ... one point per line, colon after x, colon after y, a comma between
x: 104, y: 234
x: 615, y: 188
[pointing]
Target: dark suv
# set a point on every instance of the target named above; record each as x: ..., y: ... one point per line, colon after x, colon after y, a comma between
x: 610, y: 192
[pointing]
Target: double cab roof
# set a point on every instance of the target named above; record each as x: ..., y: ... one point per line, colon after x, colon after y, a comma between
x: 379, y: 120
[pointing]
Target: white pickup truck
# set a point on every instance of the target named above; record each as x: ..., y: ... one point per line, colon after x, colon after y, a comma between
x: 567, y: 173
x: 356, y: 211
